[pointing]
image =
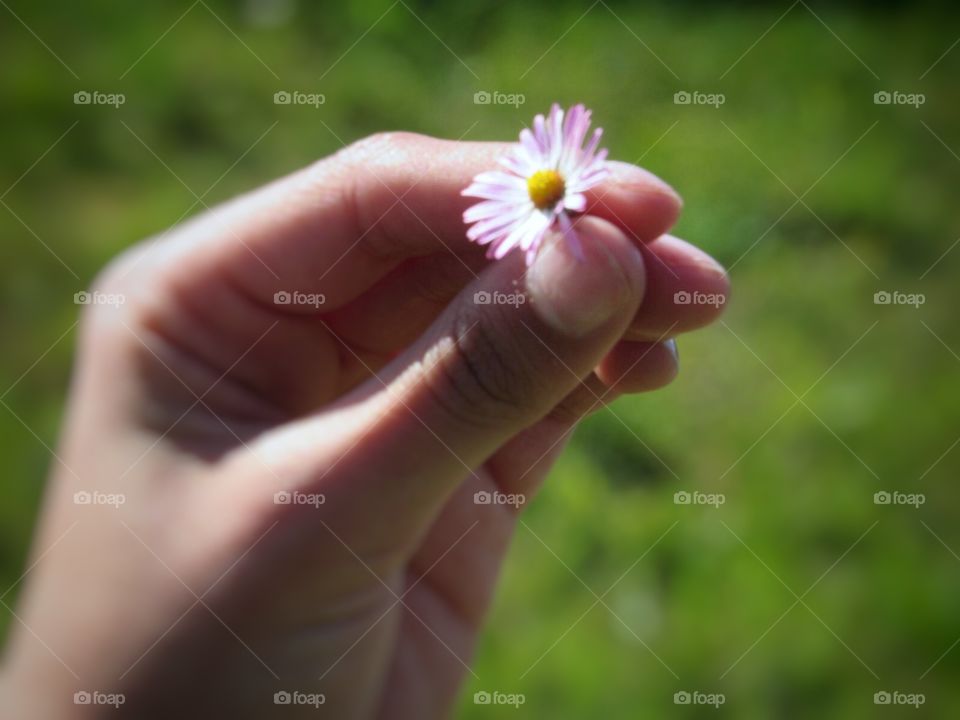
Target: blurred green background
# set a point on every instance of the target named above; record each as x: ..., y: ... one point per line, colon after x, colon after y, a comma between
x: 799, y: 596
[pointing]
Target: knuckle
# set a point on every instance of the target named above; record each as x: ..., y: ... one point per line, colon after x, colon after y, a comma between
x: 114, y: 276
x: 375, y: 173
x: 375, y: 148
x: 437, y: 278
x: 113, y: 280
x: 571, y: 411
x: 105, y: 305
x: 482, y: 380
x: 126, y: 293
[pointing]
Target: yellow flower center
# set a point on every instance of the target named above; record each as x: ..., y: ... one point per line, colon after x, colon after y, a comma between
x: 546, y: 188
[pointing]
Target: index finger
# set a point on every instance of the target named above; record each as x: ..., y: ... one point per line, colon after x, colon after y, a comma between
x: 337, y: 227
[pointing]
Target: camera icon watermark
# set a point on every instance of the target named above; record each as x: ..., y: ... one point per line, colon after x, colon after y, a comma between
x: 695, y: 97
x: 484, y: 297
x: 896, y: 697
x: 296, y: 97
x: 684, y: 497
x: 284, y: 297
x: 295, y: 697
x: 695, y: 697
x: 484, y: 97
x: 486, y: 497
x: 95, y: 97
x: 899, y: 498
x: 495, y: 697
x: 95, y: 497
x: 85, y: 297
x: 685, y: 297
x: 895, y: 297
x: 895, y: 97
x: 95, y: 697
x: 295, y: 497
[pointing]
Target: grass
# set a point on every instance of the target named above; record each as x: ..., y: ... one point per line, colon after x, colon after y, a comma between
x: 803, y: 403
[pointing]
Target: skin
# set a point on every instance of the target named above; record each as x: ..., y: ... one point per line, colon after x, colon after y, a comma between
x: 397, y: 399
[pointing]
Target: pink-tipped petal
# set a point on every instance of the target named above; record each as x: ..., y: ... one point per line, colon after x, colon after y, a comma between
x: 592, y: 145
x: 575, y: 128
x: 519, y: 236
x: 486, y: 209
x: 588, y: 176
x: 498, y: 177
x: 555, y: 130
x: 571, y: 236
x: 510, y: 241
x: 507, y: 193
x: 591, y: 179
x: 531, y: 254
x: 577, y: 141
x: 493, y: 237
x: 529, y: 143
x: 531, y: 242
x: 497, y: 224
x: 540, y: 132
x: 516, y: 164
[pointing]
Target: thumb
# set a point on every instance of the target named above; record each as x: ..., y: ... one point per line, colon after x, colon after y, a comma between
x: 510, y: 347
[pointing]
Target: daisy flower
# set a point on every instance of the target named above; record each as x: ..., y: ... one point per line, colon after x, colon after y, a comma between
x: 543, y: 182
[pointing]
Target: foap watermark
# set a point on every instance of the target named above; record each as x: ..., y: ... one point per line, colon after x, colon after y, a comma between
x: 695, y: 697
x: 685, y: 297
x: 483, y: 697
x: 95, y: 97
x: 483, y: 297
x: 885, y: 497
x: 895, y: 297
x: 95, y: 697
x: 485, y: 497
x: 683, y: 97
x: 895, y: 697
x: 299, y: 298
x: 295, y: 697
x: 295, y: 497
x: 85, y: 297
x: 684, y: 497
x: 95, y: 497
x: 895, y: 97
x: 483, y: 97
x: 296, y: 97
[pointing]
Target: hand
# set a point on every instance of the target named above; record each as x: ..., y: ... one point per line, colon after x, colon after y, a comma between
x: 377, y: 402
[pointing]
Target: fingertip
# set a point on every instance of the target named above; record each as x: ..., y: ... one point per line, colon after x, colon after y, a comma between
x: 577, y: 296
x: 633, y: 176
x: 642, y: 204
x: 686, y: 289
x: 633, y: 367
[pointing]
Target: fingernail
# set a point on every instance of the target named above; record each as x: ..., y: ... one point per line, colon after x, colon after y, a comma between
x: 575, y: 296
x: 671, y: 345
x: 695, y: 256
x: 632, y: 174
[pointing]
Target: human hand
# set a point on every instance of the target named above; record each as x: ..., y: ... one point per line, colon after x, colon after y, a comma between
x: 383, y: 389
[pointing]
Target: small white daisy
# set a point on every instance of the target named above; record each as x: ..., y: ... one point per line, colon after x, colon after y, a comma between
x: 546, y: 176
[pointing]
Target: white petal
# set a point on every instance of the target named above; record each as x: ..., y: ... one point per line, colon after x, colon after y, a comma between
x: 518, y: 163
x: 575, y: 202
x: 571, y: 236
x: 500, y: 221
x: 505, y: 191
x: 498, y: 177
x: 530, y: 144
x: 487, y: 209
